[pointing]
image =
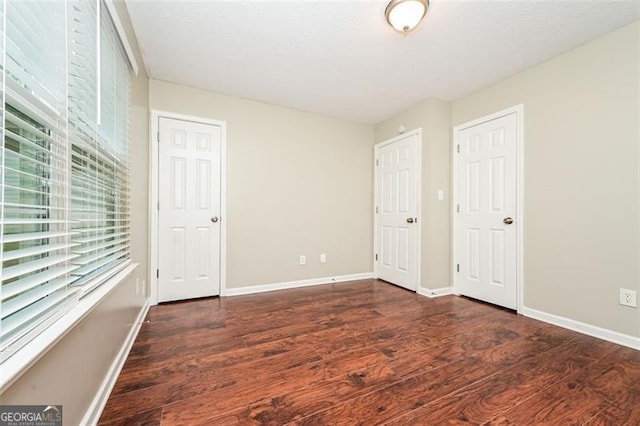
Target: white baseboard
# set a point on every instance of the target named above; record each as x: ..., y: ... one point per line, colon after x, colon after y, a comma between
x: 581, y: 327
x: 237, y: 291
x: 93, y: 413
x: 436, y: 292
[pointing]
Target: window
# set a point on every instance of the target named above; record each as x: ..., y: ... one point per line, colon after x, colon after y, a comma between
x: 64, y: 161
x: 99, y: 148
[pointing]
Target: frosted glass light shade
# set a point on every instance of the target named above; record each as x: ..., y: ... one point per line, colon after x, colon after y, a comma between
x: 405, y: 15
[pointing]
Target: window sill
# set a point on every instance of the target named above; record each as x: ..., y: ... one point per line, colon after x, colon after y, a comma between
x: 18, y: 363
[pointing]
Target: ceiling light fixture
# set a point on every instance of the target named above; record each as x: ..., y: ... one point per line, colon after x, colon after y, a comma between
x: 405, y: 15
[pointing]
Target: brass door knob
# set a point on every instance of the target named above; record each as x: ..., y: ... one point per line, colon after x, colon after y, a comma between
x: 214, y: 219
x: 410, y: 220
x: 507, y: 220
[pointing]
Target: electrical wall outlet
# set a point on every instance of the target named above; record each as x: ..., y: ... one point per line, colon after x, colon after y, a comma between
x: 628, y: 298
x: 323, y: 258
x: 303, y: 260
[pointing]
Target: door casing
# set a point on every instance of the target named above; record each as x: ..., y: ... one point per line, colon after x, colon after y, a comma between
x: 418, y: 133
x: 154, y: 197
x: 518, y: 110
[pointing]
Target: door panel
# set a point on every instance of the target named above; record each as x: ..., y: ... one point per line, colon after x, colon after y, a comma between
x: 189, y: 197
x: 486, y: 245
x: 396, y: 175
x: 178, y: 255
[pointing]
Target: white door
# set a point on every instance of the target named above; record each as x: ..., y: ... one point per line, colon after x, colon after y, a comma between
x: 189, y: 209
x: 397, y: 231
x: 485, y: 226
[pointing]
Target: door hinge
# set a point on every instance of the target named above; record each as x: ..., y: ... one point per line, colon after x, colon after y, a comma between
x: 458, y: 267
x: 158, y: 136
x: 376, y: 256
x: 458, y: 208
x: 376, y: 210
x: 377, y: 162
x: 158, y: 205
x: 157, y: 273
x: 458, y: 149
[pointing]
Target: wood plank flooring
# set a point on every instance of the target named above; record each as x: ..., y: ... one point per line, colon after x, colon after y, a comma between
x: 365, y: 353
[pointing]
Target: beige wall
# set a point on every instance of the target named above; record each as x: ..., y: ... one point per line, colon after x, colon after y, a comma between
x: 73, y: 370
x: 581, y: 186
x: 434, y: 117
x: 297, y: 184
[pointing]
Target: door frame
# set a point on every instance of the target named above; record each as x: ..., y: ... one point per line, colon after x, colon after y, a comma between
x: 418, y: 250
x: 154, y: 136
x: 518, y: 110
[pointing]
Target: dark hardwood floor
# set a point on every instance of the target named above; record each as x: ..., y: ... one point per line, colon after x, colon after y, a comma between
x: 366, y: 353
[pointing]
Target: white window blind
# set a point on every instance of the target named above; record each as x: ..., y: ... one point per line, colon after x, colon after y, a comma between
x: 100, y: 169
x: 64, y: 175
x: 36, y: 258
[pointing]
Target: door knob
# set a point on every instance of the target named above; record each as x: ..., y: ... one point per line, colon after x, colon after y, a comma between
x: 410, y: 220
x: 507, y: 220
x: 214, y: 219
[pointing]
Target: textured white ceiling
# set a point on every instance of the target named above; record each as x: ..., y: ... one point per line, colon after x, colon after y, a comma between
x: 340, y: 58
